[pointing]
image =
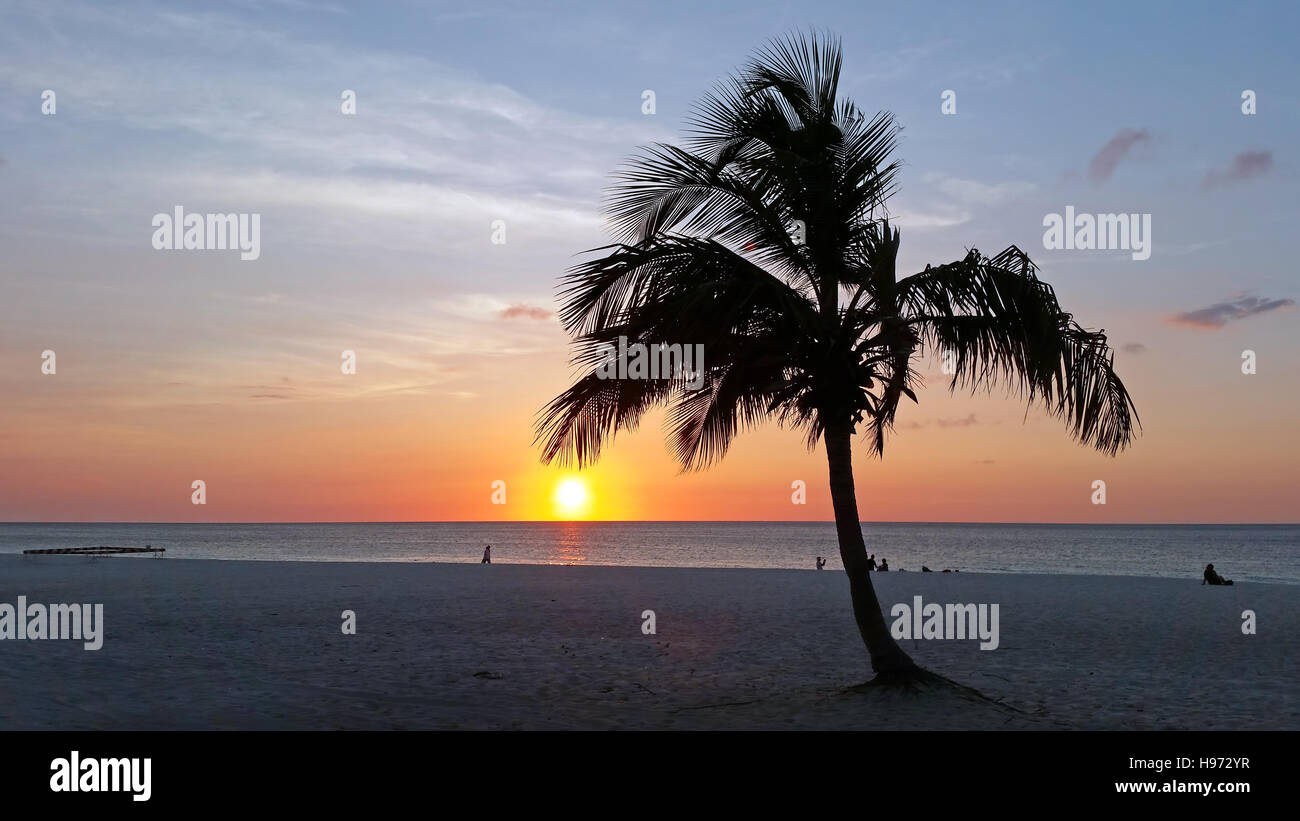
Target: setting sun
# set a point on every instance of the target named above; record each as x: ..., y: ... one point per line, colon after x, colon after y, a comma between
x: 571, y: 497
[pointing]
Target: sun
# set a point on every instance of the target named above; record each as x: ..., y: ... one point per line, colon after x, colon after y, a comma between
x: 571, y: 497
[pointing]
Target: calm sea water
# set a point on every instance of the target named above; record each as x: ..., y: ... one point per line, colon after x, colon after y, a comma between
x: 1266, y: 553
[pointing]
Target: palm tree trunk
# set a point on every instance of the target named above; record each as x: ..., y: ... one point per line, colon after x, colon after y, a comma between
x: 887, y: 658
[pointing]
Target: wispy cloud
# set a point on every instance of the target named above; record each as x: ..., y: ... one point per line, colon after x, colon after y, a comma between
x: 937, y: 218
x: 954, y: 201
x: 428, y: 142
x: 1105, y: 162
x: 979, y: 193
x: 1245, y: 166
x: 523, y: 311
x: 1220, y: 314
x: 967, y: 421
x: 1133, y: 347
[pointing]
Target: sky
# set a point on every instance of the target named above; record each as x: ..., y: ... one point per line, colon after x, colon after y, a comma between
x: 377, y: 229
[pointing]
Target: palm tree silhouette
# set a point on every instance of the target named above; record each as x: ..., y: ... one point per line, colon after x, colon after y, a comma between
x: 766, y: 240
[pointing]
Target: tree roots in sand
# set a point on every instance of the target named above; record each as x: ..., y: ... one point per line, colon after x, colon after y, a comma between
x: 918, y: 681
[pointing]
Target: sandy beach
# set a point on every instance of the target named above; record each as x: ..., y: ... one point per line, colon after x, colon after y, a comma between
x: 201, y: 644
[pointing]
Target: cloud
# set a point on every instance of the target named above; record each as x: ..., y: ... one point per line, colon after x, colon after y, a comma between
x: 298, y: 5
x: 965, y: 422
x: 960, y: 198
x: 1245, y: 166
x: 979, y: 193
x: 432, y: 145
x: 525, y: 312
x: 1103, y: 165
x: 946, y: 218
x: 1133, y: 347
x: 1220, y: 314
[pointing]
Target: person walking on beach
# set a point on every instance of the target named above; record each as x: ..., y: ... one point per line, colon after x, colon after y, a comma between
x: 1212, y: 576
x: 820, y: 562
x: 487, y: 555
x: 871, y: 562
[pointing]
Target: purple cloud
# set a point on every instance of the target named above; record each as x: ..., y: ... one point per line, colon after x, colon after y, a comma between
x: 525, y: 312
x: 957, y: 423
x: 1218, y: 315
x: 1133, y: 347
x: 1104, y: 164
x: 1245, y: 166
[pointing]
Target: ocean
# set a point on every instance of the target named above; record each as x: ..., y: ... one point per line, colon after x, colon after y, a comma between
x: 1262, y: 553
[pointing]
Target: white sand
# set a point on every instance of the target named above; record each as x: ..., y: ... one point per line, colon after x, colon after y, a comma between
x: 213, y: 644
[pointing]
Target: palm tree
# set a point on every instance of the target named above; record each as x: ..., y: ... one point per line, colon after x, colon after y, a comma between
x: 766, y: 240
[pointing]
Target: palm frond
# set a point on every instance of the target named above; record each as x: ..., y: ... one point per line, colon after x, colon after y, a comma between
x: 1003, y: 327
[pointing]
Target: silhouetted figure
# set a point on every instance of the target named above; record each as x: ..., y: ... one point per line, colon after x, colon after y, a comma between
x: 487, y: 555
x: 1212, y: 576
x: 925, y: 569
x: 871, y: 562
x: 884, y: 565
x: 820, y: 562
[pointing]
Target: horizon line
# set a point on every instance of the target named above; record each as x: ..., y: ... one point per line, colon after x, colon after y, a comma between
x: 641, y: 521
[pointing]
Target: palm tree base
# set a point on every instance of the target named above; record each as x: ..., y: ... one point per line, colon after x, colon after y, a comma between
x: 916, y: 680
x: 901, y: 676
x: 895, y: 667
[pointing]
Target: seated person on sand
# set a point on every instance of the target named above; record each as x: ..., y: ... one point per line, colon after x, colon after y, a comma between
x: 884, y: 565
x: 1212, y: 576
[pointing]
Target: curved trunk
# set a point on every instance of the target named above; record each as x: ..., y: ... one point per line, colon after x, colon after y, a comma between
x: 887, y: 658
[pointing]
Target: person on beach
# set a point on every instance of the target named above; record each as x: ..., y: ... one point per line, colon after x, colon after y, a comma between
x: 884, y: 565
x: 871, y: 562
x: 487, y: 555
x: 1212, y: 576
x: 820, y: 562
